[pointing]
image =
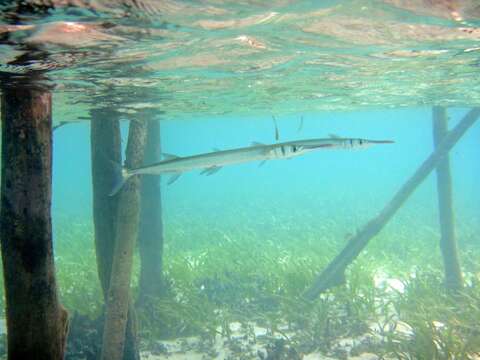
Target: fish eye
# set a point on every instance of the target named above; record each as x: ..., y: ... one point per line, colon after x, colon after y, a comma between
x: 361, y: 141
x: 294, y: 148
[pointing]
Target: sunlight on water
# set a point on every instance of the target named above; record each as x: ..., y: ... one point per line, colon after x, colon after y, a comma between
x: 187, y: 58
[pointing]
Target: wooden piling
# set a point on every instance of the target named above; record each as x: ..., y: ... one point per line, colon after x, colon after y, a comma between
x: 37, y: 324
x: 448, y: 243
x: 150, y: 237
x: 118, y: 299
x: 105, y: 152
x: 335, y: 271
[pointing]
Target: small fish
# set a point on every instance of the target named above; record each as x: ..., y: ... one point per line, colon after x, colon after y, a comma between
x: 62, y: 123
x: 27, y: 68
x: 14, y: 69
x: 214, y: 161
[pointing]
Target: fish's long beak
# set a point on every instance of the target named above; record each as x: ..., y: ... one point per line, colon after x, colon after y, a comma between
x: 382, y: 141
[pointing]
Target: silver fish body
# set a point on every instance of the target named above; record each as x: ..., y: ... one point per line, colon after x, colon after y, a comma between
x: 213, y: 161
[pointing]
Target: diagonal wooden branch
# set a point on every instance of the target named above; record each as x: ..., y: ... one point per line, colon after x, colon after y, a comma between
x: 335, y: 271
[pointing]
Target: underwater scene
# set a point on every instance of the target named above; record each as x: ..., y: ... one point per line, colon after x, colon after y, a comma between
x: 240, y: 180
x: 241, y: 247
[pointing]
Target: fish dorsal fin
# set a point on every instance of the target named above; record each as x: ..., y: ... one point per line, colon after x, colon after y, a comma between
x: 334, y: 136
x: 256, y: 143
x: 173, y: 178
x: 216, y: 149
x: 168, y: 156
x: 262, y: 163
x: 300, y: 126
x: 277, y: 133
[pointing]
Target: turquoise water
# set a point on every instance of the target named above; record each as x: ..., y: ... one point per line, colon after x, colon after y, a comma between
x: 344, y: 182
x: 281, y: 222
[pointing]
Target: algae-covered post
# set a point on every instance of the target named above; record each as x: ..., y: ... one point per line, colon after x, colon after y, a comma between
x: 118, y: 298
x: 37, y: 324
x: 448, y: 245
x: 105, y: 151
x: 150, y: 236
x: 336, y: 269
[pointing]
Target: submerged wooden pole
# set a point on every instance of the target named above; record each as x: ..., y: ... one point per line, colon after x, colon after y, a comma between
x: 448, y: 244
x: 118, y: 299
x: 105, y: 151
x: 150, y: 237
x: 335, y: 271
x: 37, y: 324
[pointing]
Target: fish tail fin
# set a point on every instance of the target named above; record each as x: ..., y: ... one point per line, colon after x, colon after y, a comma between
x: 121, y: 177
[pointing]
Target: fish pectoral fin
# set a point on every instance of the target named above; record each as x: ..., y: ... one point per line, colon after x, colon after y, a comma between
x: 173, y: 178
x: 210, y: 171
x: 168, y: 156
x: 334, y: 136
x: 214, y: 170
x: 262, y: 163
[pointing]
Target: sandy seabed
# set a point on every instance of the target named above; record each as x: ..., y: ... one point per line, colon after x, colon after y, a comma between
x: 239, y: 347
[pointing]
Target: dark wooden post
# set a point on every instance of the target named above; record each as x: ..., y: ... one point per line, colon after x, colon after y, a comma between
x: 105, y: 151
x: 334, y: 273
x: 118, y: 299
x: 448, y: 244
x: 150, y: 237
x: 37, y: 324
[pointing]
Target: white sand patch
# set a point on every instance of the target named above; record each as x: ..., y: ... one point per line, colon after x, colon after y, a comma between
x: 389, y: 284
x: 184, y: 356
x: 364, y: 356
x: 316, y: 356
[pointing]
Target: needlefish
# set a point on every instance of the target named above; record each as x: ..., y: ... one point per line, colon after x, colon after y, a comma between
x: 211, y: 162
